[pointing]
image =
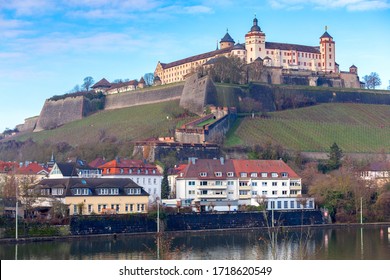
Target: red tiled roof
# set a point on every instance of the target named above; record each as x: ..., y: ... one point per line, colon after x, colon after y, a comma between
x: 97, y: 162
x: 209, y: 168
x: 115, y: 166
x: 268, y: 166
x: 31, y: 169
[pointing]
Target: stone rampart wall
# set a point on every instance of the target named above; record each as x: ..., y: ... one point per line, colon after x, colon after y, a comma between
x: 56, y: 113
x: 142, y: 97
x: 28, y: 125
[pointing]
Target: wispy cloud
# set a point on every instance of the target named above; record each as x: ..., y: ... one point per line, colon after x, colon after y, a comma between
x: 350, y: 5
x: 27, y: 7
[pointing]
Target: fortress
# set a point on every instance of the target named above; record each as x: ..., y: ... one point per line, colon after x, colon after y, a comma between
x: 279, y: 59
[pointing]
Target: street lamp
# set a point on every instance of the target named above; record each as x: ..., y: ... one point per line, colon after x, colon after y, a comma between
x: 158, y: 227
x: 16, y: 212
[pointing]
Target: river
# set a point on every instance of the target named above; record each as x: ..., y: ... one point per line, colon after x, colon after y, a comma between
x: 343, y: 243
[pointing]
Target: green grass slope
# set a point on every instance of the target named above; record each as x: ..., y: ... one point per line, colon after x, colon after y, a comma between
x: 354, y: 127
x: 133, y: 123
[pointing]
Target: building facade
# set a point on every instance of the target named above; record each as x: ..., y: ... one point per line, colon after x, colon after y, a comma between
x: 86, y: 196
x: 143, y: 174
x: 208, y: 182
x: 320, y: 58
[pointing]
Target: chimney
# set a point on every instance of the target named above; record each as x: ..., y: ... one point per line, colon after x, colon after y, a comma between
x: 222, y: 160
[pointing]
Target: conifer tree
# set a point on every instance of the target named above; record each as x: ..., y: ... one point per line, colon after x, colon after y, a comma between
x: 165, y: 185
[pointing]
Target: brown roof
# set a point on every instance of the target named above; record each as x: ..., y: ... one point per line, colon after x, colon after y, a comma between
x: 196, y: 58
x: 288, y: 47
x: 209, y: 166
x: 102, y: 83
x: 124, y: 84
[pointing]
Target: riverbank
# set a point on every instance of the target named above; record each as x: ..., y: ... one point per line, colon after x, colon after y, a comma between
x: 176, y: 233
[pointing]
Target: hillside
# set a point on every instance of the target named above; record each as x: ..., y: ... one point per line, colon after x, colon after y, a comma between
x: 127, y: 124
x: 354, y: 127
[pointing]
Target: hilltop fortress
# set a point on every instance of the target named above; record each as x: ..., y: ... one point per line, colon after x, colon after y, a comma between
x: 284, y: 73
x: 285, y: 63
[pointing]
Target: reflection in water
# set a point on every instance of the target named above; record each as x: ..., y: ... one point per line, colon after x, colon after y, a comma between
x: 346, y: 243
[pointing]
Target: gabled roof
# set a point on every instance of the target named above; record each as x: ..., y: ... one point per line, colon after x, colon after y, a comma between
x: 288, y: 47
x: 124, y: 84
x: 32, y: 169
x: 103, y: 83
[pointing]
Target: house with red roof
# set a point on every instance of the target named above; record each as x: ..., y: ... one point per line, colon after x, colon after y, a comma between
x: 144, y: 174
x: 378, y: 171
x: 220, y: 184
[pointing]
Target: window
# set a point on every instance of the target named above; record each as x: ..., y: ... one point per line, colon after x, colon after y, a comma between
x: 284, y: 184
x: 140, y: 207
x: 90, y: 208
x: 191, y: 183
x: 274, y: 192
x: 293, y: 192
x: 75, y: 208
x: 285, y: 204
x: 311, y: 204
x: 81, y: 191
x: 101, y: 207
x: 218, y: 174
x: 263, y: 184
x: 203, y: 174
x: 253, y: 174
x: 274, y: 174
x: 108, y: 171
x: 264, y: 192
x: 230, y: 183
x: 132, y: 191
x: 243, y: 183
x: 57, y: 191
x: 203, y: 183
x: 254, y: 184
x: 254, y: 192
x: 191, y: 192
x: 121, y: 170
x: 292, y: 204
x: 218, y: 183
x: 243, y: 174
x: 230, y: 174
x: 155, y: 181
x: 149, y: 181
x: 284, y: 192
x: 243, y: 192
x: 264, y: 174
x: 284, y: 174
x: 279, y: 203
x: 274, y: 184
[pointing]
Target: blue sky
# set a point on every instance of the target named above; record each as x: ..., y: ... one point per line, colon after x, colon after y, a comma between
x: 47, y: 46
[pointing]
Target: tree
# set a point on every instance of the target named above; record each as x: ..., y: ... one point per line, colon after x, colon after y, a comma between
x: 372, y: 80
x: 75, y: 89
x: 88, y: 82
x: 149, y: 78
x: 335, y: 155
x: 165, y: 185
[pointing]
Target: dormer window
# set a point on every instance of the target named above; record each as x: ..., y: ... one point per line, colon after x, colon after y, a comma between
x: 284, y: 174
x: 230, y: 174
x: 218, y: 174
x: 253, y: 174
x: 264, y: 174
x: 274, y: 174
x: 121, y: 170
x: 203, y: 174
x: 243, y: 174
x: 154, y: 171
x: 130, y: 170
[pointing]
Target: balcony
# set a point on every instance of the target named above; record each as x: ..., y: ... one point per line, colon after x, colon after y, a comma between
x: 210, y: 194
x: 212, y: 187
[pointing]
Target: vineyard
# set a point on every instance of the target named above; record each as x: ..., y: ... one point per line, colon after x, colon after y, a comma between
x: 354, y: 127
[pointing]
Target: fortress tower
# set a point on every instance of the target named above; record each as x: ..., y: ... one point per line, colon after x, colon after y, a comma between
x: 255, y: 43
x: 328, y: 52
x: 227, y: 41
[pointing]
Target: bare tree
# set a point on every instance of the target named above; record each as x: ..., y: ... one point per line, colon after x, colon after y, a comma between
x: 372, y: 80
x: 88, y: 82
x: 149, y: 78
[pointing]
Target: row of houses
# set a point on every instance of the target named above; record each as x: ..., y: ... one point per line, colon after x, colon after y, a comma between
x: 132, y: 186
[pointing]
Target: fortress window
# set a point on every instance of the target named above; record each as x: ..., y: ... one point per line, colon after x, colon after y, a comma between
x: 259, y: 49
x: 330, y: 64
x: 330, y: 56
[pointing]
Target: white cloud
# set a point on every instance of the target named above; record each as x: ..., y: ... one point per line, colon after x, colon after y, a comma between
x: 27, y: 7
x: 350, y: 5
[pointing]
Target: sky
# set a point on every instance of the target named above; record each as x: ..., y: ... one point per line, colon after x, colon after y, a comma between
x: 47, y: 47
